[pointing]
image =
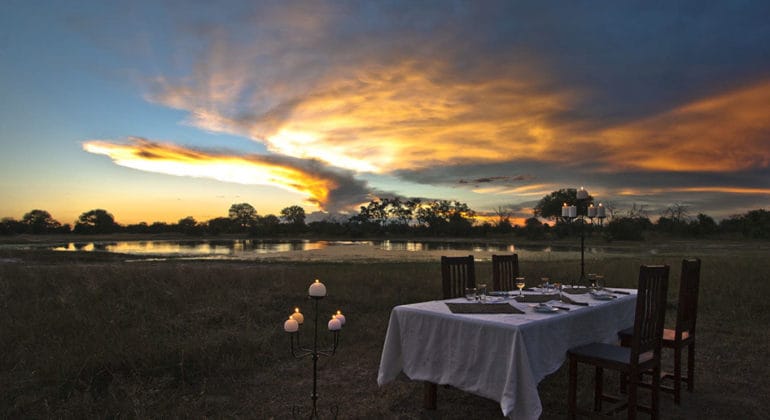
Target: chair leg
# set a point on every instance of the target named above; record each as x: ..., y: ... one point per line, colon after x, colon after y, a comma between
x: 633, y: 382
x: 623, y: 382
x: 655, y: 393
x: 598, y: 388
x: 430, y: 396
x: 691, y: 366
x: 572, y: 393
x: 677, y: 374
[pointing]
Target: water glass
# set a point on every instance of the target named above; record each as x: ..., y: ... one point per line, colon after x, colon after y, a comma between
x: 470, y: 293
x: 482, y: 292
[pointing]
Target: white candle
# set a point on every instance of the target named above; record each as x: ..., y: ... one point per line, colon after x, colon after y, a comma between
x: 591, y: 211
x: 564, y: 210
x: 572, y: 211
x: 290, y: 325
x: 340, y: 317
x: 582, y: 194
x: 334, y: 324
x: 601, y: 211
x: 317, y: 289
x: 297, y: 316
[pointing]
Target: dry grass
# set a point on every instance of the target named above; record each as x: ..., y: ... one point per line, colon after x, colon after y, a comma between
x: 92, y: 336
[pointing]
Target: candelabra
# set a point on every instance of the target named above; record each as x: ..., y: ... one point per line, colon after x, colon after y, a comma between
x: 316, y: 292
x: 580, y: 213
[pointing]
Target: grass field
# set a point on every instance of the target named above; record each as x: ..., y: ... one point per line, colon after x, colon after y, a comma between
x: 88, y: 335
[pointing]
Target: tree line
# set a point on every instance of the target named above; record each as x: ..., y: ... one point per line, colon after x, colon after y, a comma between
x: 395, y: 216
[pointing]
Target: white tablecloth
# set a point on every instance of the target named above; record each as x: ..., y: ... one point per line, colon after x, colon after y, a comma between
x: 498, y: 356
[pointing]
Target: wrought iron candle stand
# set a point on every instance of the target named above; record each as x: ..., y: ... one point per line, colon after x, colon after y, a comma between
x: 573, y: 214
x: 300, y: 352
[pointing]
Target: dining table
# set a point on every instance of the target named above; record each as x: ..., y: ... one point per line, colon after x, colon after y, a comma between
x: 502, y: 347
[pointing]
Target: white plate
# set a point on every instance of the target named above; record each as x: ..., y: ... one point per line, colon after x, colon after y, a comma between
x: 546, y: 309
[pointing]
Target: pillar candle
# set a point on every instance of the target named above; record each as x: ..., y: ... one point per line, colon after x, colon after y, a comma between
x: 297, y: 316
x: 582, y: 194
x: 572, y: 211
x: 317, y: 289
x: 340, y: 317
x: 601, y: 211
x: 591, y: 211
x: 334, y: 324
x: 290, y: 325
x: 564, y: 210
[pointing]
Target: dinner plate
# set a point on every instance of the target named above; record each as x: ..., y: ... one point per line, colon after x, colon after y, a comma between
x: 602, y: 296
x: 546, y: 309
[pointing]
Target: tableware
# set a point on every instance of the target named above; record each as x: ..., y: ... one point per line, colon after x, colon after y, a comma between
x: 598, y: 295
x: 520, y: 284
x: 482, y: 292
x: 470, y: 293
x: 543, y: 308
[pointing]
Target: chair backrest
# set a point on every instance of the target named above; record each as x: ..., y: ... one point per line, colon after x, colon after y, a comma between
x: 505, y: 268
x: 457, y: 273
x: 650, y: 310
x: 689, y: 284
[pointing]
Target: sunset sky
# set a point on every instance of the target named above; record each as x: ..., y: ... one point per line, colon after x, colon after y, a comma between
x: 160, y: 110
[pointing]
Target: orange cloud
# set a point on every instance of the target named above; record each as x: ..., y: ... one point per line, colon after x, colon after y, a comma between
x: 726, y: 132
x: 316, y: 184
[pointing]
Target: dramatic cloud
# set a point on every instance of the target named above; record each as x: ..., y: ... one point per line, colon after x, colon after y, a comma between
x: 530, y: 98
x: 325, y: 188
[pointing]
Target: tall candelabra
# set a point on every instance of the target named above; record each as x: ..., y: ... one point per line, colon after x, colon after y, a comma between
x: 316, y: 292
x: 579, y: 213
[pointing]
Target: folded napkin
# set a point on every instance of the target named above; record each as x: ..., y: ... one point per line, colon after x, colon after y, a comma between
x: 621, y: 292
x: 575, y: 290
x: 567, y: 299
x: 482, y: 308
x: 536, y: 298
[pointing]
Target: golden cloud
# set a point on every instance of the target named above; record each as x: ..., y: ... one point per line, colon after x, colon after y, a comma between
x: 301, y: 177
x: 726, y: 132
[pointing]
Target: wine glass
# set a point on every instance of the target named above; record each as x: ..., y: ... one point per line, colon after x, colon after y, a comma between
x: 482, y: 292
x: 545, y: 285
x: 520, y: 284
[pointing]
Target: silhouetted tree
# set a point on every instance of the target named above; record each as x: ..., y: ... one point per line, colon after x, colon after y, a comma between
x: 189, y: 226
x: 294, y: 215
x: 40, y: 221
x: 11, y: 226
x: 220, y: 225
x: 549, y: 207
x: 443, y: 216
x: 96, y: 221
x: 243, y: 215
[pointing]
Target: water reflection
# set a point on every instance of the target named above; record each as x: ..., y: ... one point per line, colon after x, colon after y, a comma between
x: 243, y: 248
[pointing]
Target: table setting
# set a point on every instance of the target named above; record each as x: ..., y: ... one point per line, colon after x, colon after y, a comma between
x: 522, y: 334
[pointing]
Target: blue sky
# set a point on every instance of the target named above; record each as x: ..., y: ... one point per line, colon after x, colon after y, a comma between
x: 162, y: 110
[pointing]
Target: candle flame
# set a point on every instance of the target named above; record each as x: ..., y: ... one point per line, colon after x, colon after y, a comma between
x: 296, y: 310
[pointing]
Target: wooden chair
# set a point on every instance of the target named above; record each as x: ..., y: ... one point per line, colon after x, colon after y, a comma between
x: 683, y: 334
x: 643, y: 354
x: 505, y: 268
x: 457, y: 273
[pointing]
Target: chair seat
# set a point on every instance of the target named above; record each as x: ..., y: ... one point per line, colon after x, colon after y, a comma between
x: 609, y: 355
x: 669, y: 336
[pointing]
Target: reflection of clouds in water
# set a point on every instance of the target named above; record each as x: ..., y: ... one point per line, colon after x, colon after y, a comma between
x: 249, y: 249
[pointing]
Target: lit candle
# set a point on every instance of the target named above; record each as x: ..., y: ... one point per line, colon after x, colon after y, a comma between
x: 591, y: 211
x: 572, y: 211
x: 340, y: 317
x: 334, y: 324
x: 564, y: 210
x: 582, y: 194
x: 290, y: 325
x: 601, y: 211
x: 317, y: 289
x: 297, y: 316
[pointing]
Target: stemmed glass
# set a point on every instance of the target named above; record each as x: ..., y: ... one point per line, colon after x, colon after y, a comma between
x: 520, y: 284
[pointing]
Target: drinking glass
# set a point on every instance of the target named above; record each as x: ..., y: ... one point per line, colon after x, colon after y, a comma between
x: 470, y: 293
x: 520, y: 284
x: 545, y: 285
x: 599, y: 281
x: 483, y: 292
